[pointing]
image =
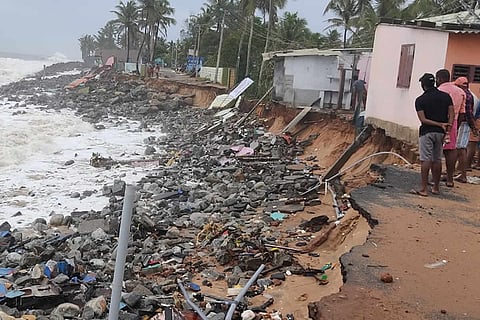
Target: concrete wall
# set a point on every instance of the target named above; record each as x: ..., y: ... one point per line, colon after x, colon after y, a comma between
x: 302, y: 80
x: 226, y: 76
x: 464, y: 49
x: 390, y: 107
x: 209, y: 73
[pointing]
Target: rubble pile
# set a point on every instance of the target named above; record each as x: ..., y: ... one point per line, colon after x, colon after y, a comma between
x: 206, y: 220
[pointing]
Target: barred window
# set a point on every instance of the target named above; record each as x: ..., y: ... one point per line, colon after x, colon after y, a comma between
x: 472, y: 73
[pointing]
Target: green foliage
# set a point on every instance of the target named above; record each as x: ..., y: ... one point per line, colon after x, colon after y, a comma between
x: 144, y: 24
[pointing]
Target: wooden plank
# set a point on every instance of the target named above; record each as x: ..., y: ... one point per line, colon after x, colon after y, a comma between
x: 362, y: 137
x: 297, y: 119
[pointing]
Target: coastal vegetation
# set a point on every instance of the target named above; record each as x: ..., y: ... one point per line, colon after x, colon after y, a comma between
x: 244, y: 29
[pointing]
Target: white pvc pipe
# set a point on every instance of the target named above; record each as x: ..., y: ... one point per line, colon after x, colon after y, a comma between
x: 128, y: 201
x: 242, y: 293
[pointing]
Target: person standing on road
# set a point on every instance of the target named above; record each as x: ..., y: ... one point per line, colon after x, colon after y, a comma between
x: 469, y: 142
x: 359, y: 92
x: 458, y: 98
x: 435, y: 112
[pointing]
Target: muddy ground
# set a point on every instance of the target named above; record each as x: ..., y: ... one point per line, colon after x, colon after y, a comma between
x: 412, y: 233
x: 409, y: 233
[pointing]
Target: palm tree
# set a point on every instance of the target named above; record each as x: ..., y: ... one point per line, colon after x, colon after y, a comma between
x: 249, y: 7
x: 271, y: 7
x: 87, y: 45
x: 162, y: 20
x: 389, y: 8
x: 293, y: 30
x: 334, y: 39
x: 345, y: 11
x: 105, y: 37
x: 365, y: 25
x: 127, y: 22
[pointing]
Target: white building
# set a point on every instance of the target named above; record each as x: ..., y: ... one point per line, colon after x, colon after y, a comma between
x: 319, y: 77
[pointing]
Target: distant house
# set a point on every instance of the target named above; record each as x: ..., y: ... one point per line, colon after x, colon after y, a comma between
x: 403, y: 51
x: 119, y: 54
x: 316, y: 77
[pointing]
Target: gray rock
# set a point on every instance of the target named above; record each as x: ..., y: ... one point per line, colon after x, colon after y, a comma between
x: 40, y: 220
x: 150, y: 150
x: 99, y: 235
x: 142, y: 290
x: 40, y: 227
x: 199, y: 218
x: 128, y: 316
x: 118, y: 187
x: 88, y: 226
x: 69, y: 162
x: 5, y: 226
x: 14, y: 258
x: 260, y: 185
x: 173, y: 233
x: 131, y: 298
x: 98, y: 305
x: 56, y: 220
x: 67, y: 310
x: 61, y: 278
x: 75, y: 195
x: 97, y: 263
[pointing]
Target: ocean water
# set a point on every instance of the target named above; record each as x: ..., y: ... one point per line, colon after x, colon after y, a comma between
x: 36, y: 143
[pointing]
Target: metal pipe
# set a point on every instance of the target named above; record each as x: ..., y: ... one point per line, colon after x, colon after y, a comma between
x: 190, y: 302
x: 366, y: 158
x: 121, y: 256
x: 242, y: 293
x: 322, y: 179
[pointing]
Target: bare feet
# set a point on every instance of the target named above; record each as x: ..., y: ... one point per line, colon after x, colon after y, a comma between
x: 422, y: 193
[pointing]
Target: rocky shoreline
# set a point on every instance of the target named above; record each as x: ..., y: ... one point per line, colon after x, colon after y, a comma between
x: 207, y: 215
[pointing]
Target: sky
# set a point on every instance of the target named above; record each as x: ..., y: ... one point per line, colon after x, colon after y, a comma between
x: 46, y: 27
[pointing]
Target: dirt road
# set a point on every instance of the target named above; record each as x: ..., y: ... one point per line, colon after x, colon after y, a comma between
x: 413, y: 232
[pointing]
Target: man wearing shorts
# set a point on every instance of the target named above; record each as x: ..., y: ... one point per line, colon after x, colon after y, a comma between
x: 467, y: 129
x: 435, y: 112
x: 458, y: 99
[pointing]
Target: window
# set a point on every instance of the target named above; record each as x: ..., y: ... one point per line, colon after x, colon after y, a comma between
x: 405, y: 67
x: 472, y: 73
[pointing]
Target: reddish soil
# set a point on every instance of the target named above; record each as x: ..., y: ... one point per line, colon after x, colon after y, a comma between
x: 412, y: 232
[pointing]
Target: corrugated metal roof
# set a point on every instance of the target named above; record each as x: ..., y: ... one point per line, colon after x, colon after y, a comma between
x: 298, y: 53
x: 463, y: 17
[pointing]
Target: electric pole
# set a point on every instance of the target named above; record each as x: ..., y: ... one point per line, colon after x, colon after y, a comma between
x: 220, y: 48
x: 270, y: 21
x: 197, y: 54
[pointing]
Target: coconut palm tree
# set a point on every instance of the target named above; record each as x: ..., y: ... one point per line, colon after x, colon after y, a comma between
x: 292, y: 30
x: 333, y: 39
x: 162, y: 17
x: 127, y: 22
x: 248, y: 8
x: 271, y: 7
x: 105, y: 38
x: 345, y: 11
x: 87, y: 45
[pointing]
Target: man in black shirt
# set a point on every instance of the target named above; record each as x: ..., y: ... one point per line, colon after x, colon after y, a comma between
x: 435, y: 112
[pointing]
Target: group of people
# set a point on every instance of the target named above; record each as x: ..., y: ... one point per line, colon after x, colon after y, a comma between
x: 153, y: 69
x: 448, y: 124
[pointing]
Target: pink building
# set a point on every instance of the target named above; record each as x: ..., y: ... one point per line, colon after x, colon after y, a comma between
x: 403, y: 51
